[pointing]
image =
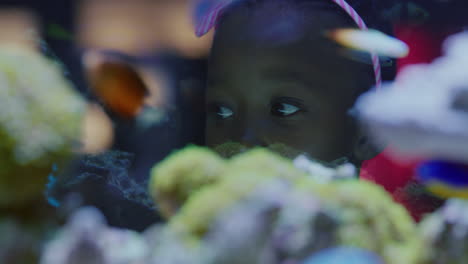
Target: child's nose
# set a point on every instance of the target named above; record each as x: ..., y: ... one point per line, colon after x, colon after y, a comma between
x: 253, y: 137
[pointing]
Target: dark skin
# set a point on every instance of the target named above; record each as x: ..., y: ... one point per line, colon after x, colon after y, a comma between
x: 293, y: 90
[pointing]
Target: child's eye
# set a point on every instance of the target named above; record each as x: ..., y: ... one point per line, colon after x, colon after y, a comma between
x: 285, y: 109
x: 224, y: 112
x: 220, y: 110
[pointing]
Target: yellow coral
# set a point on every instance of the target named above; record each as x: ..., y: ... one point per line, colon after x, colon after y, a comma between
x: 242, y: 175
x: 196, y: 216
x: 369, y: 219
x: 40, y: 118
x: 182, y: 173
x: 367, y: 216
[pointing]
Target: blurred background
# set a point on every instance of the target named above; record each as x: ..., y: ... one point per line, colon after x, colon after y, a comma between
x: 151, y: 41
x: 147, y: 52
x: 141, y: 74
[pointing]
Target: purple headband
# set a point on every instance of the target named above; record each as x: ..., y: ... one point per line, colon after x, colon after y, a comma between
x: 209, y: 12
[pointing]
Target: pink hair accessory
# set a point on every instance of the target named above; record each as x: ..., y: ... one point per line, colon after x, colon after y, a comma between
x: 209, y: 12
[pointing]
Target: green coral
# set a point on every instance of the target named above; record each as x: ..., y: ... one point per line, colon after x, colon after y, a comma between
x: 367, y: 216
x: 230, y: 149
x: 40, y: 118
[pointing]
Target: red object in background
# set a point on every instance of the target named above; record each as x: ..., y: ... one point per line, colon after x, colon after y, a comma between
x: 424, y: 42
x: 395, y: 177
x: 387, y: 172
x: 398, y: 179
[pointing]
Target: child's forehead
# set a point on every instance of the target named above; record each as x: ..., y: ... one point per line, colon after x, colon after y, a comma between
x: 282, y: 37
x: 286, y: 40
x: 279, y: 21
x: 299, y: 64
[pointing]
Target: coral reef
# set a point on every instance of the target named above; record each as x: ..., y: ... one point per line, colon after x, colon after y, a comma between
x: 257, y: 207
x: 174, y: 183
x: 242, y: 174
x: 446, y: 233
x: 359, y: 213
x: 370, y: 219
x: 39, y: 123
x: 87, y: 239
x: 17, y: 243
x: 110, y: 167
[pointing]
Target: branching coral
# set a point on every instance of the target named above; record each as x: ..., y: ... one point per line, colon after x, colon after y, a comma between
x: 112, y: 167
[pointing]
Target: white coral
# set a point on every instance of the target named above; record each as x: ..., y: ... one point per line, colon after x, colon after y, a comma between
x: 88, y: 239
x: 416, y: 112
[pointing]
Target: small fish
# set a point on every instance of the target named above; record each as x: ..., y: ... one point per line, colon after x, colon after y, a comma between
x: 406, y: 12
x: 116, y: 83
x: 370, y: 41
x: 344, y: 255
x: 444, y: 179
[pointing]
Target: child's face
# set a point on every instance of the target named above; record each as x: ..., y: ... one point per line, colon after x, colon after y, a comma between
x: 297, y: 92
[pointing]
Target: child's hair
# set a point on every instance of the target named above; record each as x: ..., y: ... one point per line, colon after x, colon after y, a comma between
x: 367, y: 9
x: 300, y: 10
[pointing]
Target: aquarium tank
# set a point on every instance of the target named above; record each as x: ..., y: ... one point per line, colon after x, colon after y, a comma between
x: 233, y: 131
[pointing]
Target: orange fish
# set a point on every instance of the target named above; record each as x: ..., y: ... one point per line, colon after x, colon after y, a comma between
x: 116, y: 83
